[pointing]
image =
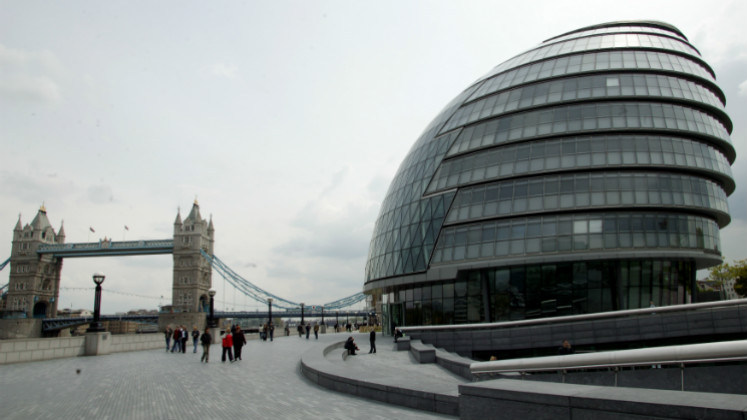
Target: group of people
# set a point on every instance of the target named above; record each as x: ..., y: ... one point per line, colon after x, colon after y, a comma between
x: 307, y: 328
x: 351, y: 347
x: 268, y: 329
x: 180, y: 336
x: 233, y: 341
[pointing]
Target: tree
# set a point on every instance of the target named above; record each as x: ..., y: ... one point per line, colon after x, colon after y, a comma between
x: 736, y: 271
x: 739, y: 271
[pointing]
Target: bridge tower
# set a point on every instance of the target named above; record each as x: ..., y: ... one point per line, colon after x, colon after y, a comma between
x: 34, y: 283
x: 192, y: 272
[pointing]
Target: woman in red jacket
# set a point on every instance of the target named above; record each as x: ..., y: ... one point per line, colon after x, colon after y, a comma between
x: 227, y: 346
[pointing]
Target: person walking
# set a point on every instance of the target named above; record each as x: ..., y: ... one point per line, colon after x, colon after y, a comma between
x: 238, y: 342
x: 206, y: 339
x: 316, y: 330
x: 299, y: 328
x: 372, y: 339
x: 167, y: 335
x: 177, y: 340
x: 227, y: 346
x: 308, y: 330
x: 195, y: 337
x: 185, y: 338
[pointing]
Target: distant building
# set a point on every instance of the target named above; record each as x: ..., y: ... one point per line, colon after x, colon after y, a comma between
x: 588, y: 174
x: 73, y: 313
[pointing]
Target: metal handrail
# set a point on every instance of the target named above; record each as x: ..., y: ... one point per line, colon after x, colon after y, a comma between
x: 581, y: 317
x: 724, y: 351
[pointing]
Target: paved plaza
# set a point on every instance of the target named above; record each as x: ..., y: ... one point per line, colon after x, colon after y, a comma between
x: 159, y: 385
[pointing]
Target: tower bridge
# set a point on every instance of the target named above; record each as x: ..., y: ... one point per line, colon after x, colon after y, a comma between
x: 38, y: 252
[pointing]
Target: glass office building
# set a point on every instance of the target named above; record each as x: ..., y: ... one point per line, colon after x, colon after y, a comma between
x: 588, y: 174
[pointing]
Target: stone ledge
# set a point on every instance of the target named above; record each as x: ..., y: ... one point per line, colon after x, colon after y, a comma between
x: 316, y: 368
x: 402, y: 344
x: 423, y: 353
x: 509, y: 399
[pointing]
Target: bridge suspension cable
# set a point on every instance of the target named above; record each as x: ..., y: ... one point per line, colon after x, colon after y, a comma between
x: 260, y: 295
x: 4, y: 263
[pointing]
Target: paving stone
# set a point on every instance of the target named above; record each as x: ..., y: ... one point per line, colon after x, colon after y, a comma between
x: 155, y: 384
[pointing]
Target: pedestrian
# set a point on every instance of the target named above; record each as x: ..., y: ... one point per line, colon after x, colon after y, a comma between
x: 238, y: 342
x: 272, y: 331
x: 308, y: 330
x: 227, y: 346
x: 565, y: 348
x: 372, y: 339
x: 185, y: 338
x: 177, y: 340
x: 206, y: 339
x: 287, y: 330
x: 316, y: 330
x: 167, y: 335
x: 195, y: 337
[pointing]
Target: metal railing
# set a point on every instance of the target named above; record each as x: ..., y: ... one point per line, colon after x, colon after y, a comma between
x: 726, y: 351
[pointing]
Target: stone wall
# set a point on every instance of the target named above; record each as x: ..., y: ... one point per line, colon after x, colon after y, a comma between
x: 137, y: 342
x: 20, y: 328
x: 35, y: 349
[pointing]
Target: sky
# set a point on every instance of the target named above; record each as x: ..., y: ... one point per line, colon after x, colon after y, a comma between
x: 285, y: 120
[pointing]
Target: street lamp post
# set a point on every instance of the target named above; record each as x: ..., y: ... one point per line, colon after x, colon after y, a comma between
x: 302, y: 313
x: 269, y: 307
x: 96, y: 326
x: 322, y: 315
x: 211, y: 320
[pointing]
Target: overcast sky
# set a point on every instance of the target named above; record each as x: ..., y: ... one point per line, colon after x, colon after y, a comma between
x: 287, y: 120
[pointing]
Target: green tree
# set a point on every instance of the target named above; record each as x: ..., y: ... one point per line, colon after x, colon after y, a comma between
x: 722, y: 273
x: 739, y: 271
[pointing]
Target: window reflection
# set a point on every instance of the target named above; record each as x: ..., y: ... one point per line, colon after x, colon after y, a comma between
x: 546, y: 290
x: 583, y: 231
x: 607, y: 151
x: 580, y: 191
x: 595, y: 86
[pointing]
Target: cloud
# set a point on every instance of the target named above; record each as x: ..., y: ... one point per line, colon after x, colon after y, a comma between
x: 223, y: 70
x: 743, y: 88
x: 722, y: 34
x: 100, y: 194
x: 26, y: 88
x: 28, y: 76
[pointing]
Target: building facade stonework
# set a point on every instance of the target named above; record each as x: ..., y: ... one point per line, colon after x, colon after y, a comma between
x: 34, y: 280
x: 192, y: 272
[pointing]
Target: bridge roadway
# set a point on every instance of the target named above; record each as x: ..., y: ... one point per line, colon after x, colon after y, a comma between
x: 53, y: 324
x: 266, y: 384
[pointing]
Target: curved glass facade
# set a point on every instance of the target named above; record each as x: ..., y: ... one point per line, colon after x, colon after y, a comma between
x: 590, y: 173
